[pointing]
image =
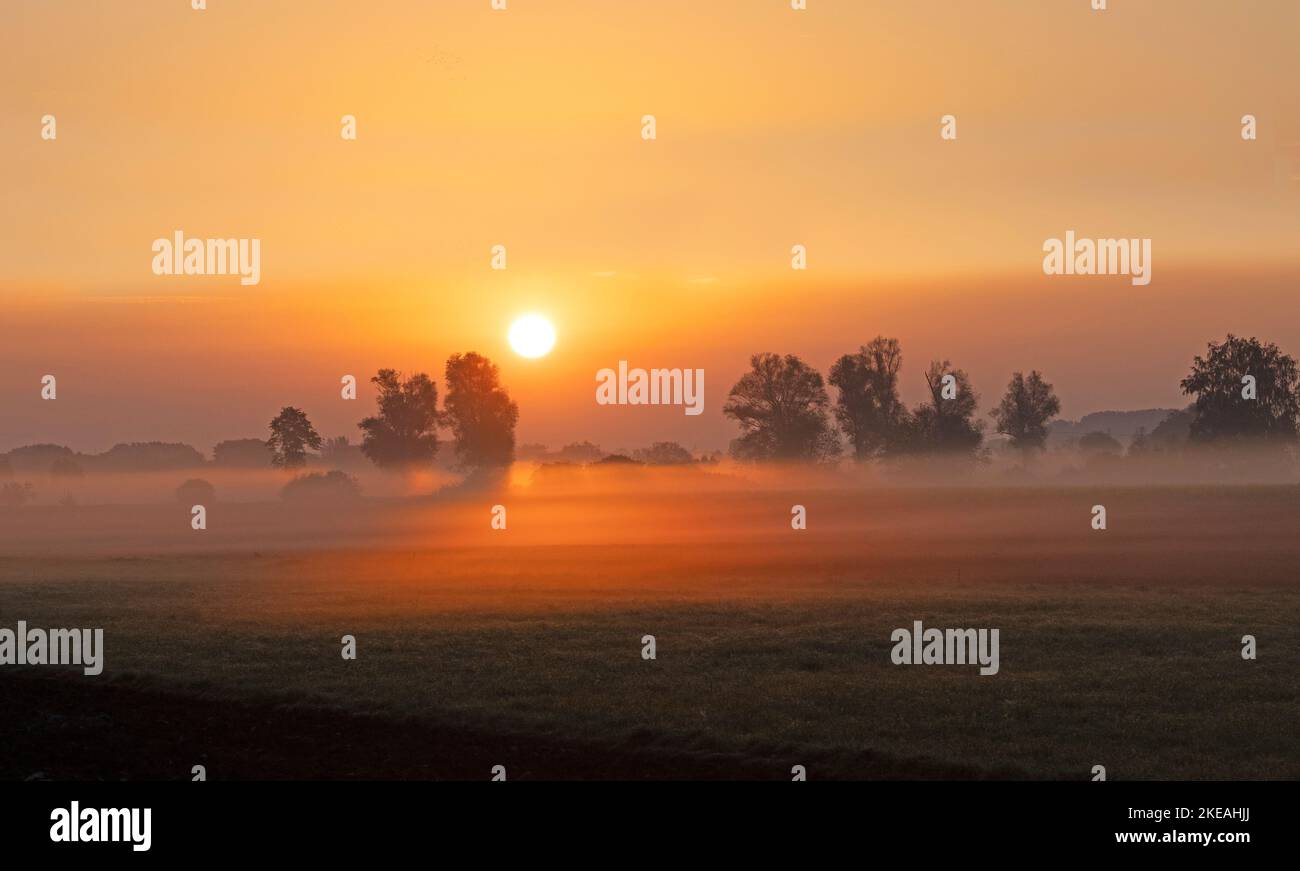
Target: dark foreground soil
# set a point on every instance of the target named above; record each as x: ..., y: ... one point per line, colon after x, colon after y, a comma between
x: 63, y: 728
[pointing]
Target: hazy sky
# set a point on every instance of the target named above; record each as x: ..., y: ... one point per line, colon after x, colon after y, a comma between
x: 522, y: 128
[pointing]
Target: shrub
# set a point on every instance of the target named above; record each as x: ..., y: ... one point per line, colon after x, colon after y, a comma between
x: 664, y: 454
x: 332, y: 486
x: 617, y: 460
x: 1099, y: 443
x: 196, y: 491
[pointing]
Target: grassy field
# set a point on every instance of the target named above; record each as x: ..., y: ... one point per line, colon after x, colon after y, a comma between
x: 1119, y: 648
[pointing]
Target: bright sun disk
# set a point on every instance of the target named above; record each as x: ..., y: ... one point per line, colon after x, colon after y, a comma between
x: 532, y: 336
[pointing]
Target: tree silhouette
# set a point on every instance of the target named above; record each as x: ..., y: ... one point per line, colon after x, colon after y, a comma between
x: 618, y: 460
x: 1099, y: 443
x: 150, y: 456
x: 405, y: 431
x: 291, y: 435
x: 1140, y: 444
x: 482, y: 416
x: 1217, y: 381
x: 945, y: 423
x: 338, y: 452
x: 868, y: 409
x: 251, y: 453
x: 1026, y: 408
x: 317, y: 488
x: 1172, y: 433
x: 196, y: 491
x: 581, y: 452
x: 38, y: 458
x: 781, y: 406
x: 664, y: 454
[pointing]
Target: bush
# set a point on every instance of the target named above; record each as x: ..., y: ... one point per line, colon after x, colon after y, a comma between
x: 196, y: 491
x: 332, y: 486
x: 617, y: 460
x: 337, y: 452
x: 664, y: 454
x: 1100, y: 443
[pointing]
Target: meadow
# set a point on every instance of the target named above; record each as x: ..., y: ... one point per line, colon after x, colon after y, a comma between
x: 523, y: 646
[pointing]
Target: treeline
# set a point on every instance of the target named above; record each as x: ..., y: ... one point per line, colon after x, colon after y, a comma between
x: 249, y: 453
x: 1242, y: 391
x: 403, y: 431
x: 586, y: 454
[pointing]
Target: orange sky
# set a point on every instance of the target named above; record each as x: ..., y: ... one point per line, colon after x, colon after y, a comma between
x: 522, y: 128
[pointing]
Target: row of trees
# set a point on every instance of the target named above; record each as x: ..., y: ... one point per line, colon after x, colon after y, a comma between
x: 785, y: 413
x: 404, y: 430
x: 1242, y: 389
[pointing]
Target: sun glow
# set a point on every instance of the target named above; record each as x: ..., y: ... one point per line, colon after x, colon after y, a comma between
x: 532, y: 336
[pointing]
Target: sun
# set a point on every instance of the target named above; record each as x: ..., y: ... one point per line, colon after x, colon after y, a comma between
x: 532, y: 336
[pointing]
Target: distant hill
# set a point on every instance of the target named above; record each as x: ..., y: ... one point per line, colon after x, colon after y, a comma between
x: 1120, y: 424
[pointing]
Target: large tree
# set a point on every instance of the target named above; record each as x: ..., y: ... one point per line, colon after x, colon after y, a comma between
x: 781, y: 406
x: 481, y: 414
x: 1223, y: 407
x: 868, y: 409
x: 1026, y: 408
x: 945, y: 422
x: 405, y: 431
x: 291, y: 435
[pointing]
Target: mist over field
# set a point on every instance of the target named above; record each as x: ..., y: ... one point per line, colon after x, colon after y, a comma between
x: 560, y: 503
x: 773, y: 643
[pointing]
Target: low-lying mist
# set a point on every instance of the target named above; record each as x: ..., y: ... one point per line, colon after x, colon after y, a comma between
x: 616, y: 503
